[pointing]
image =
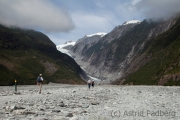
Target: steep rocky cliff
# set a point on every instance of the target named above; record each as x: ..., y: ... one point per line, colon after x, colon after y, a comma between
x: 118, y: 54
x: 158, y: 62
x: 117, y: 58
x: 85, y: 50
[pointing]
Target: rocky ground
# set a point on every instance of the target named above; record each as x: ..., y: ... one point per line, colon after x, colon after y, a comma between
x: 77, y: 102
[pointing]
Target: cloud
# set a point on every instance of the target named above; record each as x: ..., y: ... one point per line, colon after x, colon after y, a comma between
x: 158, y: 8
x: 87, y: 21
x: 35, y: 14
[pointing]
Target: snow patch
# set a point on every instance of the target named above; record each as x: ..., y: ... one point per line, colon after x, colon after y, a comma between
x: 100, y: 33
x: 66, y: 44
x: 61, y: 47
x: 93, y: 78
x: 131, y: 22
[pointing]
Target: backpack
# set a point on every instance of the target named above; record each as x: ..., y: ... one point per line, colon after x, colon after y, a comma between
x: 39, y: 79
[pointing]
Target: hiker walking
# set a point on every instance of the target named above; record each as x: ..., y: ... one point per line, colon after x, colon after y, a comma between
x: 39, y: 82
x: 92, y: 83
x: 89, y: 83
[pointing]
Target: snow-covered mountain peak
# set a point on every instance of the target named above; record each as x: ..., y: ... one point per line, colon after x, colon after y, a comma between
x: 63, y: 50
x: 100, y: 34
x: 66, y: 44
x: 70, y: 43
x: 131, y: 22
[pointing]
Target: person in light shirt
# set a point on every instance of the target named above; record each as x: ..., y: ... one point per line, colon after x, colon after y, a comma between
x: 89, y: 83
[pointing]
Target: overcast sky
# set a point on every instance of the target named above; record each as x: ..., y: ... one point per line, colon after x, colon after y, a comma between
x: 70, y: 20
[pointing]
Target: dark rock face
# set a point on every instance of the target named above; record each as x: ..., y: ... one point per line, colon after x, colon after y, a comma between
x: 85, y: 51
x: 120, y: 52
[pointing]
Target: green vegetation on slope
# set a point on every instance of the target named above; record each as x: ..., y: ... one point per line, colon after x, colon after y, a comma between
x: 26, y: 53
x: 165, y: 57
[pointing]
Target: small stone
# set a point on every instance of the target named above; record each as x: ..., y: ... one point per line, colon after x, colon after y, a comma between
x: 74, y: 118
x: 39, y: 113
x: 7, y: 108
x: 83, y: 112
x: 30, y: 112
x: 60, y: 118
x: 95, y: 103
x: 19, y: 112
x: 50, y: 107
x: 57, y: 111
x: 69, y: 115
x: 41, y: 108
x: 85, y: 106
x: 61, y: 104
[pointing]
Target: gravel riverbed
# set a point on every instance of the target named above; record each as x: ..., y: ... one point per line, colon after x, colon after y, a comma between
x: 77, y: 102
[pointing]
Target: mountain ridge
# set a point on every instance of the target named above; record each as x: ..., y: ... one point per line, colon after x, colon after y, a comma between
x: 27, y: 53
x: 84, y: 48
x: 120, y: 53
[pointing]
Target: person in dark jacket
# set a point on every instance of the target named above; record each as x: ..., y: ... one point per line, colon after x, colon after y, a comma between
x: 39, y: 82
x: 92, y: 83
